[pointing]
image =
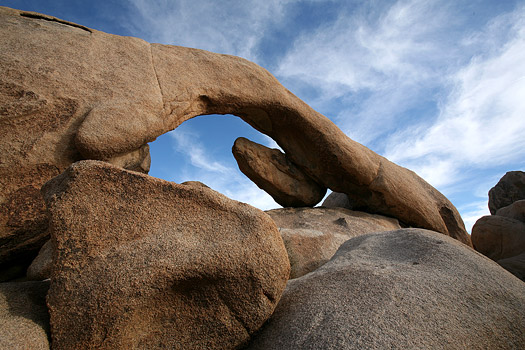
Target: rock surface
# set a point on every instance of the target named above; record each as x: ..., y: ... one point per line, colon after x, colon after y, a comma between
x: 107, y: 105
x: 273, y: 172
x: 514, y: 211
x: 313, y: 235
x: 408, y: 289
x: 40, y: 269
x: 337, y: 200
x: 145, y: 263
x: 509, y: 189
x: 24, y: 320
x: 498, y: 237
x: 515, y: 265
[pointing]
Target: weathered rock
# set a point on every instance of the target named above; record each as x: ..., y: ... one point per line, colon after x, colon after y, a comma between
x: 408, y: 289
x: 40, y: 269
x: 145, y: 263
x: 24, y: 320
x: 498, y: 237
x: 273, y: 172
x: 509, y: 189
x: 62, y: 105
x: 337, y: 200
x: 515, y: 265
x: 514, y: 211
x: 313, y: 235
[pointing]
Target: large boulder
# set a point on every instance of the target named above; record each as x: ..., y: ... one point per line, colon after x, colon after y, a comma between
x: 272, y: 171
x: 514, y: 211
x: 145, y: 263
x: 509, y: 189
x: 24, y: 320
x: 408, y: 289
x: 498, y: 237
x: 313, y: 235
x: 515, y: 265
x: 337, y: 200
x: 40, y: 269
x: 62, y: 105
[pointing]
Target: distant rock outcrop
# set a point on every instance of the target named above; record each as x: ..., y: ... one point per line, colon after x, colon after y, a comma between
x: 24, y: 319
x: 501, y: 236
x: 61, y: 105
x: 313, y: 235
x: 145, y: 263
x: 407, y: 289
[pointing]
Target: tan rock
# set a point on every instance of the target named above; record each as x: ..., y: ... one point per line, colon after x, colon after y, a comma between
x: 62, y: 105
x: 407, y: 289
x: 313, y: 235
x: 498, y: 237
x: 509, y: 189
x: 273, y: 172
x: 145, y: 263
x: 40, y: 269
x: 514, y: 211
x: 24, y: 320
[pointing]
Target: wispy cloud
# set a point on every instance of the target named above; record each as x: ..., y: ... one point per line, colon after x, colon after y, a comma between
x: 230, y: 26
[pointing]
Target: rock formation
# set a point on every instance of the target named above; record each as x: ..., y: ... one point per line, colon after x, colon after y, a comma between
x: 509, y: 189
x: 272, y: 171
x: 71, y: 93
x: 146, y: 263
x: 501, y: 236
x: 24, y: 320
x: 408, y: 289
x: 337, y: 200
x: 313, y: 235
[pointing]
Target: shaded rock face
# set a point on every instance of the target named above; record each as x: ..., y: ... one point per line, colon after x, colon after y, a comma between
x: 407, y: 289
x: 515, y: 265
x: 273, y: 172
x: 514, y: 211
x: 40, y: 269
x: 313, y: 235
x: 107, y: 105
x: 337, y: 200
x: 24, y: 320
x: 145, y: 263
x: 509, y: 189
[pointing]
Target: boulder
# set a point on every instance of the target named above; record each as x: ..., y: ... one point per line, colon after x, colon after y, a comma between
x: 40, y: 269
x: 509, y: 189
x: 149, y: 264
x: 407, y: 289
x: 515, y: 265
x: 273, y: 172
x: 337, y: 200
x: 514, y: 211
x: 61, y: 105
x: 498, y: 237
x: 313, y: 235
x: 24, y: 320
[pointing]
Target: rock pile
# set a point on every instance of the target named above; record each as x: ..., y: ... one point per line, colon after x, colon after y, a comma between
x: 501, y: 236
x: 136, y: 262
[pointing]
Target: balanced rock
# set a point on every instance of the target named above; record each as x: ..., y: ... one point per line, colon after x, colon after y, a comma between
x: 407, y: 289
x: 514, y: 211
x: 149, y: 264
x: 62, y: 105
x: 337, y: 200
x: 313, y: 235
x: 24, y: 320
x: 498, y: 237
x: 509, y: 189
x: 273, y: 172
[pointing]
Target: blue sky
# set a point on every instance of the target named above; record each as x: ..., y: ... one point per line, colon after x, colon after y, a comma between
x: 436, y: 86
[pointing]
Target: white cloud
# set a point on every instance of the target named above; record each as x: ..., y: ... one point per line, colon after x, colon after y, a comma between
x: 232, y: 27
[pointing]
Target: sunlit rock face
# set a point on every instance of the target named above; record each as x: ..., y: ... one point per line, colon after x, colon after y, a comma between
x: 69, y: 93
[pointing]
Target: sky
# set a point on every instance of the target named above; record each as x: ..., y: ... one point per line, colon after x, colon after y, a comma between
x: 437, y: 86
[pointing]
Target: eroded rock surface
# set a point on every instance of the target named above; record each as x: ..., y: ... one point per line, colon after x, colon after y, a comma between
x: 514, y: 211
x: 145, y: 263
x: 498, y: 237
x: 24, y: 320
x: 337, y: 200
x: 40, y: 269
x: 407, y: 289
x: 62, y: 105
x: 273, y: 172
x: 313, y: 235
